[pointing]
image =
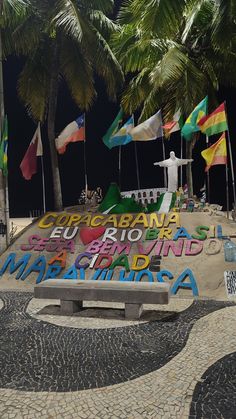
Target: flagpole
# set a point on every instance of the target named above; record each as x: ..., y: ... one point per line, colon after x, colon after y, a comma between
x: 7, y: 210
x: 231, y: 157
x: 208, y: 174
x: 43, y: 183
x: 181, y: 156
x: 85, y: 163
x: 120, y: 167
x: 164, y: 157
x: 137, y: 166
x: 136, y: 160
x: 227, y: 188
x: 4, y: 210
x: 7, y: 213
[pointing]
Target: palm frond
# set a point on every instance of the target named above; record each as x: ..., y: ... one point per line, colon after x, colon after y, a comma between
x: 78, y: 73
x: 26, y: 36
x: 102, y: 58
x: 159, y: 17
x: 151, y: 104
x: 68, y: 17
x: 106, y: 65
x: 134, y: 52
x: 13, y: 11
x: 102, y: 23
x: 198, y: 19
x: 105, y: 6
x: 224, y: 24
x: 16, y: 5
x: 126, y: 15
x: 173, y: 65
x: 122, y: 41
x: 34, y: 81
x: 136, y: 92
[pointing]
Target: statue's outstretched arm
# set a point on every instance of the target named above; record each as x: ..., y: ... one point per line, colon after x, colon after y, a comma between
x: 161, y: 163
x: 184, y: 161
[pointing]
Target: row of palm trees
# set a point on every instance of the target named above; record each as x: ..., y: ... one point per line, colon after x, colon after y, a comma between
x: 178, y: 52
x: 60, y: 39
x: 175, y: 52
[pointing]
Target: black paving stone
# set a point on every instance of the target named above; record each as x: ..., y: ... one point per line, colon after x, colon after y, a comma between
x: 215, y: 395
x: 38, y: 356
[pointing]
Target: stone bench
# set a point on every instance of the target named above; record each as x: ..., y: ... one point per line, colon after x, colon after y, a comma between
x: 72, y: 293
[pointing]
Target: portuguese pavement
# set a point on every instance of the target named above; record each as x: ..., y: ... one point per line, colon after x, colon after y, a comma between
x: 181, y: 364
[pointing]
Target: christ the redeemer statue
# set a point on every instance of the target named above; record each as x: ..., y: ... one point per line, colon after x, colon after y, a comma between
x: 172, y: 164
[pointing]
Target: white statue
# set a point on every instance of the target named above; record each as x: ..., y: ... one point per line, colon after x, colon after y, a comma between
x: 172, y: 164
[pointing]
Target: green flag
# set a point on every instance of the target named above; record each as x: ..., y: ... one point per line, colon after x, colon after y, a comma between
x: 113, y: 129
x: 3, y: 148
x: 198, y: 113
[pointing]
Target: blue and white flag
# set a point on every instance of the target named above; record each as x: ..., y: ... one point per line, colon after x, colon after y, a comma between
x: 122, y: 137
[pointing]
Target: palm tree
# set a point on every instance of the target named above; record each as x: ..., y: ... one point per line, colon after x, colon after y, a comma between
x: 177, y: 53
x: 10, y: 11
x: 65, y: 39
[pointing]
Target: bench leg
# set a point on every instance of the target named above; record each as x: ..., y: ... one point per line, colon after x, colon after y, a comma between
x: 133, y: 311
x: 70, y: 307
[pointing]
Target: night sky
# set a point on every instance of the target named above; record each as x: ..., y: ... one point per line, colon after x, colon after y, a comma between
x: 102, y: 163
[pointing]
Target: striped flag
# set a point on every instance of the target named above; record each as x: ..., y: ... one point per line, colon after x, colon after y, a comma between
x: 122, y: 137
x: 3, y: 148
x: 72, y: 133
x: 215, y: 154
x: 214, y: 123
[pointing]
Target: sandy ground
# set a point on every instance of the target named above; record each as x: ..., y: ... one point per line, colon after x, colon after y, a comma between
x: 208, y: 270
x: 18, y: 224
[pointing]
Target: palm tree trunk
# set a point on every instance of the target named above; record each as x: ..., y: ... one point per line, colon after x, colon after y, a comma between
x: 189, y: 150
x: 52, y: 107
x: 3, y: 215
x: 189, y: 155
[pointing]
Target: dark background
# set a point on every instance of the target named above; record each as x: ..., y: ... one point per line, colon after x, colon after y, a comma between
x: 102, y: 163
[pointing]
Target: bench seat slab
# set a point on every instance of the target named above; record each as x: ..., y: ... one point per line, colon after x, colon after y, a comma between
x: 112, y: 291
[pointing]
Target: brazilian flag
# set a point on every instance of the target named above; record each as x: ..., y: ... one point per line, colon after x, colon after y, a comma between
x: 198, y: 113
x: 3, y: 148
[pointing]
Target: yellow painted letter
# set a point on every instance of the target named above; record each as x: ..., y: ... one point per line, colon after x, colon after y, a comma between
x: 136, y: 266
x: 42, y: 223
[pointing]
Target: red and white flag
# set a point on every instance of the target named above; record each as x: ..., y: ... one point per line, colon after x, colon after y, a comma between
x: 175, y: 125
x: 72, y: 133
x: 28, y: 165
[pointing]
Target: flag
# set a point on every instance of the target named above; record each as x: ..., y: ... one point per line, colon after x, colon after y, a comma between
x: 191, y: 124
x: 215, y: 154
x: 175, y: 125
x: 214, y: 123
x: 148, y: 130
x: 28, y: 165
x: 113, y: 129
x: 72, y: 133
x: 3, y: 148
x: 122, y: 137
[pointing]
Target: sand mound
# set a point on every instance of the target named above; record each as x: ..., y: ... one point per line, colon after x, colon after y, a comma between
x: 44, y: 239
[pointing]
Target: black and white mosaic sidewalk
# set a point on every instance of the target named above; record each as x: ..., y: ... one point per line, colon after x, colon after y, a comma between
x: 215, y: 395
x: 163, y: 364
